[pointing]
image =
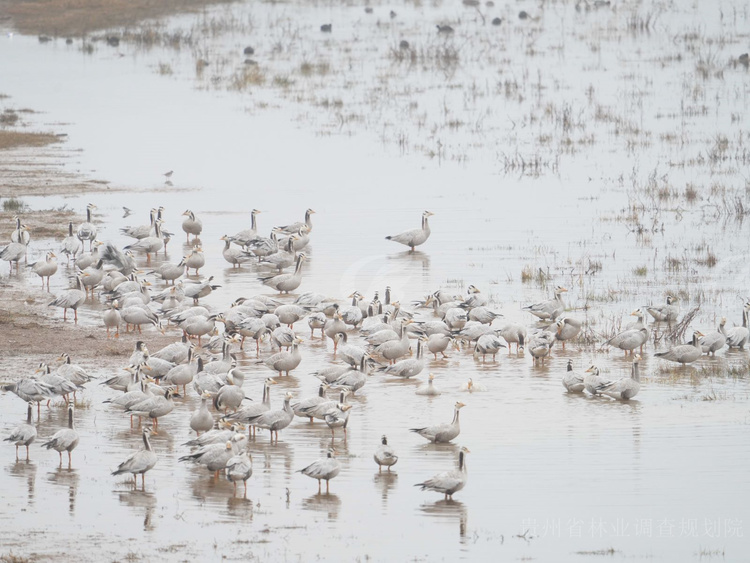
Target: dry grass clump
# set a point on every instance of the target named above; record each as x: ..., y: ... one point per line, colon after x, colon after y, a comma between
x: 79, y: 17
x: 12, y: 139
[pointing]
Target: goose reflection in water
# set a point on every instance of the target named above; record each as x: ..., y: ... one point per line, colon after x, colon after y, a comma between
x: 329, y: 503
x: 386, y: 482
x: 240, y: 508
x: 66, y: 477
x: 25, y: 470
x: 140, y: 500
x: 450, y: 511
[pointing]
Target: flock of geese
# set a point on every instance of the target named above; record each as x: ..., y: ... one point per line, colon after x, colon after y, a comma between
x: 392, y: 340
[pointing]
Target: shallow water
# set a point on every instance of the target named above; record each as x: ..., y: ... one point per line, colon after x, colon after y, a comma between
x: 657, y: 477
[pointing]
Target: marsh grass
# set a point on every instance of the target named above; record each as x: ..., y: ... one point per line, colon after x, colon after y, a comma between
x: 13, y: 205
x: 9, y: 117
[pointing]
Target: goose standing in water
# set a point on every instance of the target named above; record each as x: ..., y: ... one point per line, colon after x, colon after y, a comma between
x: 488, y: 344
x: 295, y: 227
x: 86, y: 260
x: 202, y: 421
x: 140, y: 462
x: 338, y: 417
x: 572, y: 380
x: 23, y: 434
x: 325, y: 468
x: 112, y: 318
x: 281, y: 259
x: 150, y: 244
x: 70, y: 299
x: 316, y: 321
x: 70, y: 245
x: 87, y: 230
x: 593, y: 381
x: 195, y: 260
x: 245, y: 237
x: 153, y: 408
x: 300, y: 407
x: 320, y: 409
x: 438, y: 343
x: 567, y: 329
x: 31, y: 390
x: 633, y: 336
x: 385, y: 455
x: 550, y: 309
x: 274, y: 420
x: 235, y: 255
x: 626, y: 388
x: 284, y: 283
x: 449, y: 482
x: 539, y: 346
x: 250, y: 412
x: 215, y: 456
x: 45, y: 268
x: 285, y: 361
x: 13, y: 253
x: 21, y: 233
x: 738, y: 336
x: 684, y: 353
x: 441, y: 433
x: 414, y: 237
x: 428, y: 389
x: 665, y: 313
x: 714, y: 341
x: 239, y: 468
x: 191, y: 225
x: 395, y: 349
x: 64, y: 440
x: 513, y: 333
x: 409, y: 367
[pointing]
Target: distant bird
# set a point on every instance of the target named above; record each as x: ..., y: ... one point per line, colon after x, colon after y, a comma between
x: 550, y: 309
x: 202, y: 421
x: 633, y: 337
x: 23, y: 434
x: 70, y: 299
x: 215, y: 456
x: 449, y: 482
x: 140, y: 462
x: 87, y: 230
x: 168, y: 175
x: 385, y: 455
x: 45, y: 268
x: 626, y: 388
x: 428, y: 388
x: 472, y: 387
x: 239, y: 468
x: 714, y: 341
x: 323, y: 469
x: 414, y: 237
x: 440, y: 433
x: 572, y: 380
x: 567, y: 329
x: 737, y: 336
x: 684, y: 353
x: 593, y: 381
x: 64, y: 440
x: 665, y: 313
x: 191, y: 225
x: 445, y: 29
x: 326, y: 28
